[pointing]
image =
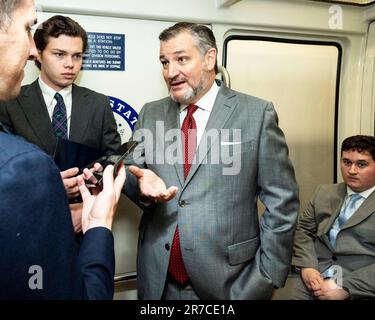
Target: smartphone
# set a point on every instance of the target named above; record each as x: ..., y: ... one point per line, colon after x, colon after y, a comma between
x: 114, y: 160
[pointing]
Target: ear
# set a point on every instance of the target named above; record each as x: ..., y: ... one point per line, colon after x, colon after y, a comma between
x: 211, y: 59
x: 39, y: 56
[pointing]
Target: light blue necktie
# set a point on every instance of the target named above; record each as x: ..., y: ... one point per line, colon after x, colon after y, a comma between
x: 349, y: 209
x: 344, y: 216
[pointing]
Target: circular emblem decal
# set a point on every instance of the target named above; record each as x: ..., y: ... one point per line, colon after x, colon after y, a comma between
x: 126, y: 118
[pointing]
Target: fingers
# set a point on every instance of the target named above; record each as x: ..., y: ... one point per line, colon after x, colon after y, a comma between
x: 164, y: 196
x: 70, y: 182
x: 69, y: 173
x: 98, y: 167
x: 169, y: 194
x: 120, y: 179
x: 318, y: 293
x: 136, y: 171
x: 88, y: 175
x: 85, y: 193
x: 315, y: 285
x: 108, y: 177
x: 76, y: 213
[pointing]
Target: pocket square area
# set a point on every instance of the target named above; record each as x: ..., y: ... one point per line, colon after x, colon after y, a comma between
x: 229, y: 143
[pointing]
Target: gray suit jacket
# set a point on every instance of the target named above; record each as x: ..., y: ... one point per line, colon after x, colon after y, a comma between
x: 227, y: 251
x: 92, y: 120
x: 355, y: 243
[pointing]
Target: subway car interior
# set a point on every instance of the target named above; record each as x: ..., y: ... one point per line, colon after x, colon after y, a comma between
x: 315, y: 60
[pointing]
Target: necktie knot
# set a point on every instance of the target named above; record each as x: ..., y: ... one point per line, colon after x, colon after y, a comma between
x: 349, y: 209
x: 59, y: 98
x: 191, y: 108
x: 355, y: 196
x: 353, y: 200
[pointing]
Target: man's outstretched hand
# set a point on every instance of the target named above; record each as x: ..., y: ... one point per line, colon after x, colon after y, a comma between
x: 152, y: 186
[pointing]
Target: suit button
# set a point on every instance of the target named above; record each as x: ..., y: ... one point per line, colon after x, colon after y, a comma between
x: 182, y: 203
x: 334, y: 258
x: 167, y: 246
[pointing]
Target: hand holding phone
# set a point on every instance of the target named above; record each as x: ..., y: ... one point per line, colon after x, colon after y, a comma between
x: 114, y: 160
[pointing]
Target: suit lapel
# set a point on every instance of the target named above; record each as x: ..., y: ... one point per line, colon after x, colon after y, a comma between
x: 365, y: 210
x: 336, y: 203
x: 36, y: 113
x: 81, y: 116
x: 222, y: 109
x: 172, y: 123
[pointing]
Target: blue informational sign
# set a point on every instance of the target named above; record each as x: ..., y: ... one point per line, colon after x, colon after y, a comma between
x: 105, y: 51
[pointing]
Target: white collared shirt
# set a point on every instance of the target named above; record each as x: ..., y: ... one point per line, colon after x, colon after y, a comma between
x: 205, y: 105
x: 49, y: 99
x: 364, y: 195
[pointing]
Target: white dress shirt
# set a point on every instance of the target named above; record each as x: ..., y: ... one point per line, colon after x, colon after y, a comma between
x: 203, y: 112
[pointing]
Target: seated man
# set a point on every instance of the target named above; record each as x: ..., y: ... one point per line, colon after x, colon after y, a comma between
x: 334, y: 249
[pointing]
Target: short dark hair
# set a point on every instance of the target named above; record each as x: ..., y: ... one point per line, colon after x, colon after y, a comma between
x: 359, y: 143
x: 6, y: 11
x: 54, y: 27
x: 202, y: 34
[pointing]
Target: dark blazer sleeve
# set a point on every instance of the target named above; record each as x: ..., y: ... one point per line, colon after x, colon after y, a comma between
x: 96, y: 263
x: 111, y: 139
x: 36, y: 231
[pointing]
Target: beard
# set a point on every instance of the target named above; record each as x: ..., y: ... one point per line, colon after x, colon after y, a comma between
x: 191, y: 93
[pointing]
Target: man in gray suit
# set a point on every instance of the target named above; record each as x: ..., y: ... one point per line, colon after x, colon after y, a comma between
x: 334, y: 251
x: 223, y: 150
x: 61, y: 42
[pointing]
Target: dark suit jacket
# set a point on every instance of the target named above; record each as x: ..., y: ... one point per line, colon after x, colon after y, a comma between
x: 355, y: 243
x: 36, y: 230
x: 92, y: 121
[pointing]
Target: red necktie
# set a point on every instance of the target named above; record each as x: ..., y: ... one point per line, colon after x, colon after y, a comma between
x: 189, y: 143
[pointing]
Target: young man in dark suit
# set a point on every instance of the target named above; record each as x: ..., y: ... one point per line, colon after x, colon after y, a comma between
x: 39, y: 256
x: 89, y: 120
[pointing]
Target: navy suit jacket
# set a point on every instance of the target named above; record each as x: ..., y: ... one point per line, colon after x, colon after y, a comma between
x: 36, y: 232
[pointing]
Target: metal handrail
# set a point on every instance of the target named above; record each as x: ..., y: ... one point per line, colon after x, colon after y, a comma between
x: 225, y: 76
x: 125, y: 276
